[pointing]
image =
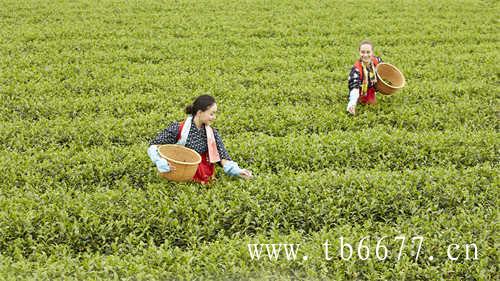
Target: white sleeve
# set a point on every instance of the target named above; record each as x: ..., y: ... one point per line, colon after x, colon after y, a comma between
x: 353, y: 97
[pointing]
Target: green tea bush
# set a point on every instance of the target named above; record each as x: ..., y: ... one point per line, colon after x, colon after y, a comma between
x: 85, y: 85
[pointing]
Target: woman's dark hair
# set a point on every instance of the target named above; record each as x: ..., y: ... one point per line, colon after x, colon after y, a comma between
x: 202, y: 103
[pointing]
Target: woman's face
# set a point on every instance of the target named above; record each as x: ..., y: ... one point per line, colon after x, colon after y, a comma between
x: 365, y: 51
x: 208, y: 116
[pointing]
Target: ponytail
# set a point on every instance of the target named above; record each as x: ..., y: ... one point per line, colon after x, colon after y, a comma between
x: 189, y: 109
x: 202, y: 103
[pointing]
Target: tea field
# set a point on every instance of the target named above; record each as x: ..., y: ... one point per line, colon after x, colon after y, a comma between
x: 84, y: 86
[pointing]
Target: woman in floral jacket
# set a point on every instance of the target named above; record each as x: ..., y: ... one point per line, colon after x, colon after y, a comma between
x: 196, y: 133
x: 362, y: 77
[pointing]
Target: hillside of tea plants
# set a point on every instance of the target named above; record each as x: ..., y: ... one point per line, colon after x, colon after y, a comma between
x: 85, y: 85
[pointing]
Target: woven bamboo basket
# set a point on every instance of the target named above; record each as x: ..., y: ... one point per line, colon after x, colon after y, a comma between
x: 389, y: 79
x: 183, y: 160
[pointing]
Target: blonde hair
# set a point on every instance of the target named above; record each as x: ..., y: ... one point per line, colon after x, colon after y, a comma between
x: 365, y: 42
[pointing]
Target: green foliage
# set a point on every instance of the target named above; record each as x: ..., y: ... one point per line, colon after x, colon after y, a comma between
x: 84, y: 85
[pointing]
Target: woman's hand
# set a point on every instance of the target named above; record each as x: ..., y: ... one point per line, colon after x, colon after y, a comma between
x: 351, y: 109
x: 246, y: 174
x: 231, y: 168
x: 161, y: 164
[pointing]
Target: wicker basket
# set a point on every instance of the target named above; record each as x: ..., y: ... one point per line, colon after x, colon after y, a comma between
x: 184, y: 161
x: 389, y: 73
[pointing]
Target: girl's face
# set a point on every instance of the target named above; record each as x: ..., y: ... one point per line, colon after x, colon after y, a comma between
x: 365, y: 51
x: 208, y: 116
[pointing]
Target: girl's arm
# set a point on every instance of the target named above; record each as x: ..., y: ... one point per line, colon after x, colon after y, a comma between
x: 353, y: 100
x: 224, y: 155
x: 167, y: 136
x: 354, y: 83
x: 230, y: 167
x: 354, y: 80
